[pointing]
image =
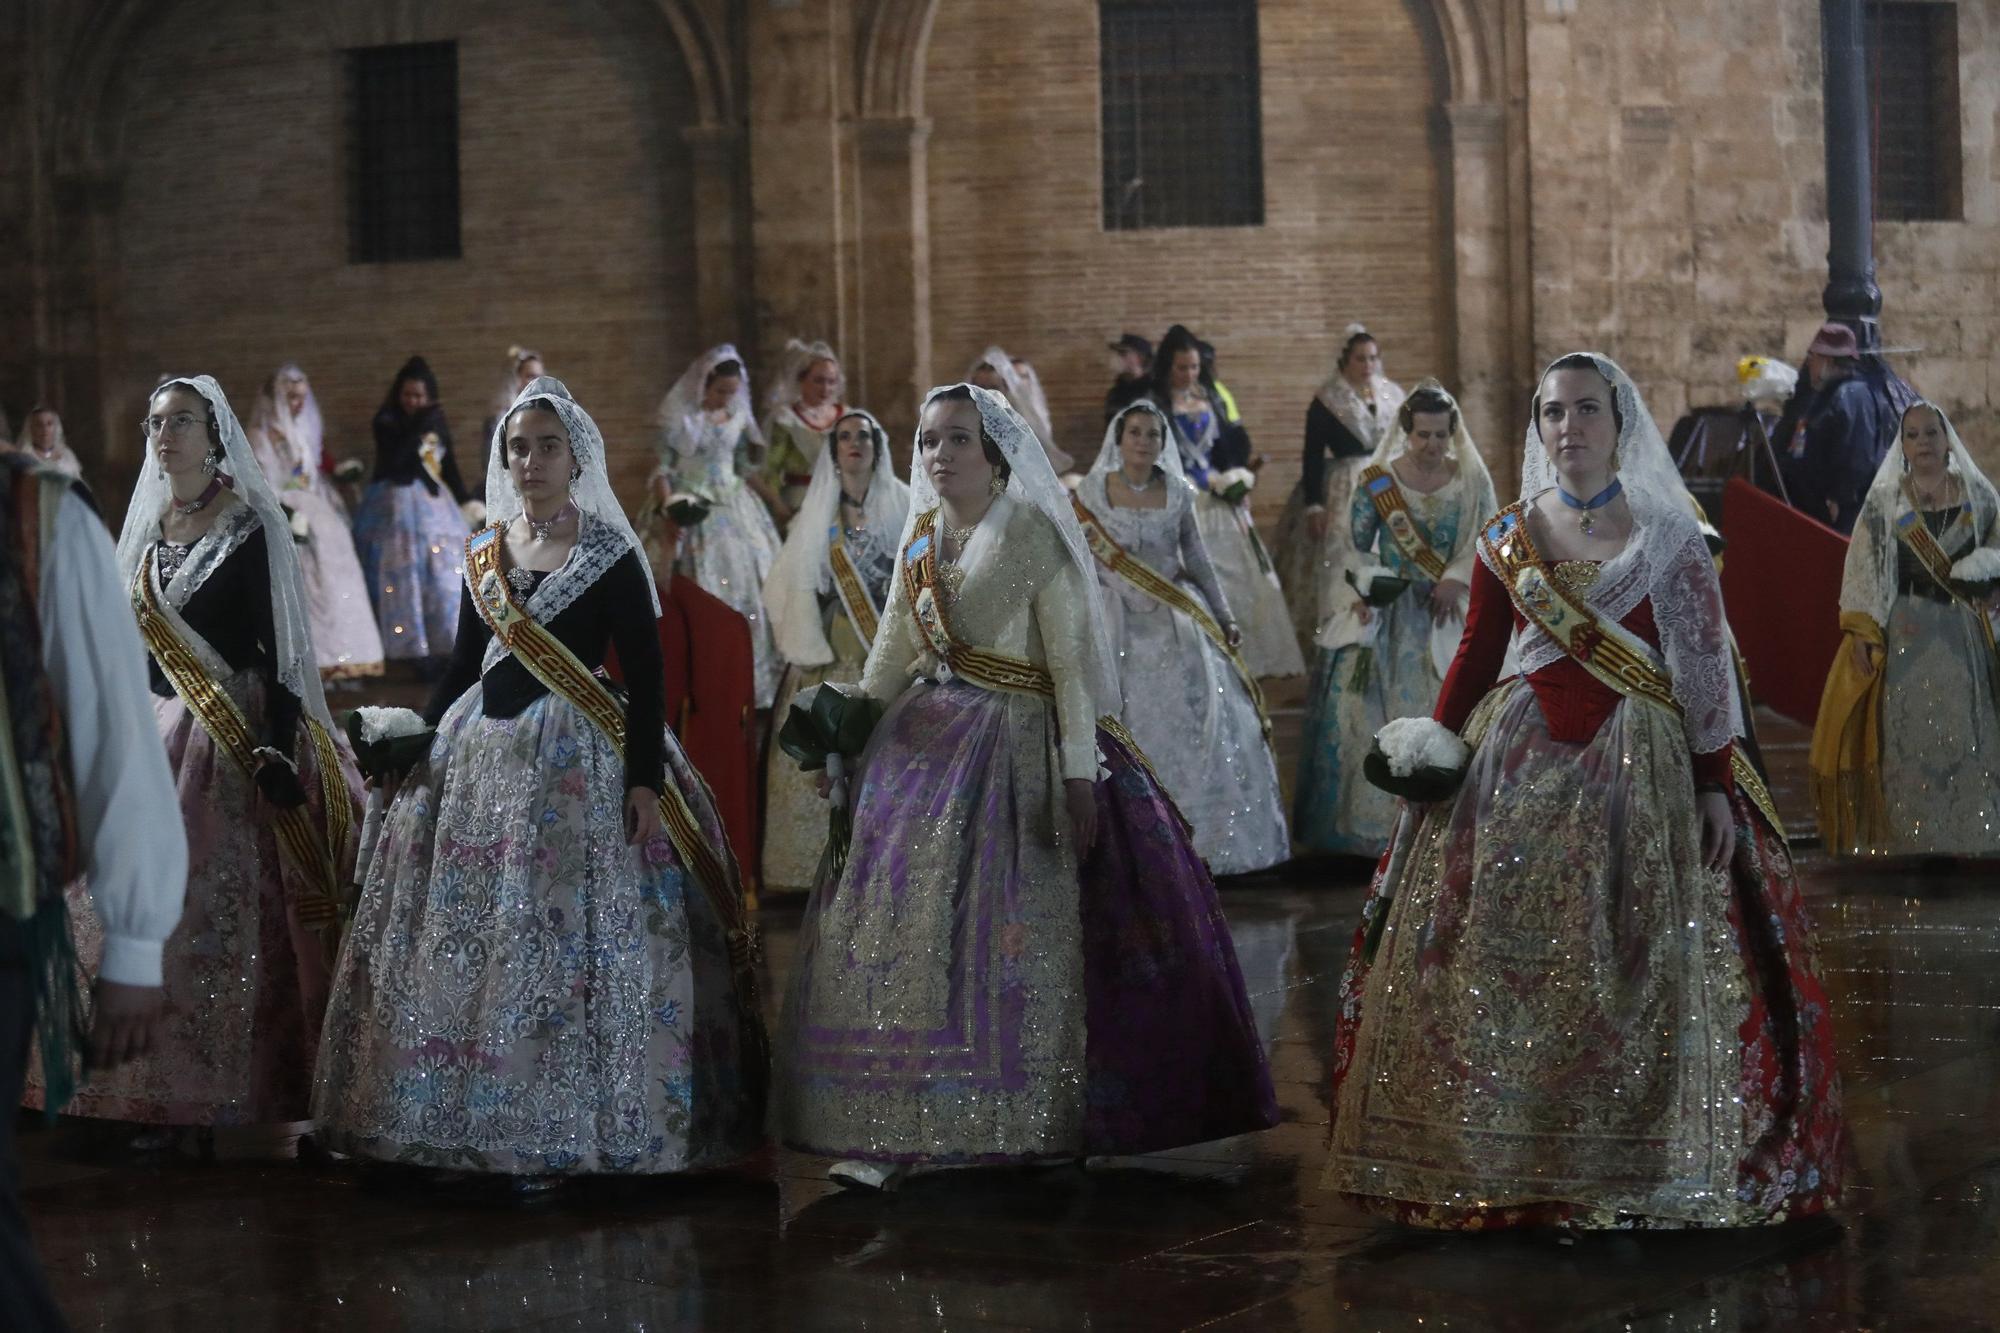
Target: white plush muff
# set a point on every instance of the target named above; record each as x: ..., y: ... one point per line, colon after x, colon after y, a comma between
x: 1411, y: 743
x: 1978, y: 566
x: 386, y: 724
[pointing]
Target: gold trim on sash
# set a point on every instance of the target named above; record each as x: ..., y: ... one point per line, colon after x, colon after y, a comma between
x: 847, y: 582
x: 1913, y: 532
x: 1156, y: 586
x: 310, y: 855
x: 982, y: 666
x: 1607, y: 650
x: 551, y: 662
x: 1380, y: 486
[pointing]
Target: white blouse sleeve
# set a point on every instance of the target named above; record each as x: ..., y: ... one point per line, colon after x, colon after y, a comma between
x: 130, y: 835
x: 1067, y: 640
x: 896, y: 648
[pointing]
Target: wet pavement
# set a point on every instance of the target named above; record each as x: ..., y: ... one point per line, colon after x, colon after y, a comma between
x: 1230, y: 1235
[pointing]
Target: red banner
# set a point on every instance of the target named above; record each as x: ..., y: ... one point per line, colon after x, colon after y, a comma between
x: 1781, y: 585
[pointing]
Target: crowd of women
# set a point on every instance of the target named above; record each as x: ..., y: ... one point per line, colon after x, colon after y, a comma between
x: 1582, y: 991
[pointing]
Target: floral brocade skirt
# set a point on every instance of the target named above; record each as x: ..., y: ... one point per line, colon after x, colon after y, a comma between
x: 412, y: 547
x: 524, y: 993
x: 1567, y: 1019
x: 246, y: 984
x: 955, y: 999
x: 345, y: 636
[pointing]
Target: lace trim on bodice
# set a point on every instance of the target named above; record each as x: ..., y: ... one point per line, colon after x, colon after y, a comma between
x: 598, y: 547
x: 208, y: 552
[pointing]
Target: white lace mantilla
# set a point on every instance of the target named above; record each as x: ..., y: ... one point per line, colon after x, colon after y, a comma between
x: 207, y: 554
x: 598, y: 547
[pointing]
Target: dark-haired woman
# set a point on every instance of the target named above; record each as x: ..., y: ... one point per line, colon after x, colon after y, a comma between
x: 709, y: 448
x: 1022, y: 960
x: 1348, y: 417
x: 410, y: 526
x: 1583, y: 991
x: 1215, y: 454
x: 1415, y: 512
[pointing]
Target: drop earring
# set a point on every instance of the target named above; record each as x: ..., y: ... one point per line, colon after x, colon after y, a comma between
x: 997, y: 486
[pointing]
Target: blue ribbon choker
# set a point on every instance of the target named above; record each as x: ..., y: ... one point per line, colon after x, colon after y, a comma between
x: 1597, y: 501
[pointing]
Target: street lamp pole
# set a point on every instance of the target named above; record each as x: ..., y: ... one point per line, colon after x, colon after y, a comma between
x: 1851, y: 295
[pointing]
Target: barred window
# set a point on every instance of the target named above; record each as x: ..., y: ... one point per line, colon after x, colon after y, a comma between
x: 1183, y: 129
x: 1915, y: 79
x: 402, y: 158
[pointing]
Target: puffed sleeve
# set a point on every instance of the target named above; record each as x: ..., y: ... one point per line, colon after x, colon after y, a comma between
x: 1063, y: 617
x: 1195, y: 560
x: 897, y: 645
x: 129, y: 829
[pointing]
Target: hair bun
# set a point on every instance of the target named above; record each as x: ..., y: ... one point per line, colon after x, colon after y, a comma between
x: 1356, y: 329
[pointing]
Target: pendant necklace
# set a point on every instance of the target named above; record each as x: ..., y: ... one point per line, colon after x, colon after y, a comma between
x: 201, y: 501
x: 847, y: 499
x: 542, y: 527
x: 1586, y: 519
x: 1139, y: 488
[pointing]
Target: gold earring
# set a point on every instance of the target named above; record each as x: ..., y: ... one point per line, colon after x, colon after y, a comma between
x: 997, y: 486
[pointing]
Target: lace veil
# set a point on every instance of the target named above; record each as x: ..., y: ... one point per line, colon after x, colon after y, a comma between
x: 591, y: 491
x: 800, y: 573
x: 1025, y: 397
x: 305, y: 433
x: 1868, y: 582
x: 798, y: 358
x: 297, y: 666
x: 1462, y: 451
x: 680, y: 410
x: 1110, y: 458
x: 1666, y: 559
x: 1033, y: 482
x: 1340, y: 398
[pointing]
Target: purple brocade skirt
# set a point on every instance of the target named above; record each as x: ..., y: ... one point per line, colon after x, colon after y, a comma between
x: 412, y: 548
x: 957, y: 999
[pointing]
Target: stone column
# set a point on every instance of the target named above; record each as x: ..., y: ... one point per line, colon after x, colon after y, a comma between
x: 894, y: 279
x: 723, y: 309
x: 1480, y: 323
x: 1851, y: 294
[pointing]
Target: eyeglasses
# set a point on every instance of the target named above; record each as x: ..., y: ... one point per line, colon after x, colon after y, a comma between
x: 177, y: 424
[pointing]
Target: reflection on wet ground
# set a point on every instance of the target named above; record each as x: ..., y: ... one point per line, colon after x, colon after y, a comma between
x: 1233, y: 1234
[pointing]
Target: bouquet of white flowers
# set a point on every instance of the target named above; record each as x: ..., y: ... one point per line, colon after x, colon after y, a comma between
x: 301, y: 527
x: 1977, y: 572
x: 1233, y: 485
x: 351, y: 470
x: 689, y: 507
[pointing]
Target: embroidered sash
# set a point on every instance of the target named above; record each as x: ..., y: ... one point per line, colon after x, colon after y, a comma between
x: 854, y: 598
x: 982, y: 666
x: 551, y: 662
x: 1913, y: 532
x: 310, y: 856
x: 1156, y: 586
x: 1611, y: 653
x: 1379, y: 485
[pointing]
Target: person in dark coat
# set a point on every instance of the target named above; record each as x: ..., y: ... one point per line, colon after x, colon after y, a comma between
x: 1134, y: 359
x: 1834, y: 429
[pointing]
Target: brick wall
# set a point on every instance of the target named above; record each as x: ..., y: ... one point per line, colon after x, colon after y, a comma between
x: 1019, y: 258
x: 231, y: 231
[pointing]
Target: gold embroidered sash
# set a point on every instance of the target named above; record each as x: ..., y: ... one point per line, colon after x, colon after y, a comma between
x: 1156, y: 586
x: 1607, y: 650
x: 311, y: 856
x: 1379, y: 485
x: 984, y: 667
x: 853, y: 592
x: 1914, y: 533
x: 551, y: 662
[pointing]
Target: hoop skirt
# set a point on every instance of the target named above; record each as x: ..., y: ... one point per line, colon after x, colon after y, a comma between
x: 522, y: 992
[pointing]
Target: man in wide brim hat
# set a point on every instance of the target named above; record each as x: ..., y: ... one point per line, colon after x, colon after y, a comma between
x: 1834, y: 430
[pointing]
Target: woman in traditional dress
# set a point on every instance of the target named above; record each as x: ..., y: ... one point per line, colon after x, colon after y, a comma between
x: 1583, y: 992
x: 287, y: 436
x: 1002, y: 374
x: 42, y: 439
x: 709, y: 447
x: 1906, y: 756
x: 1208, y: 450
x: 1415, y: 514
x: 270, y: 800
x: 1022, y: 960
x: 1186, y: 696
x: 545, y: 973
x: 825, y: 598
x: 1345, y: 422
x: 805, y: 404
x: 410, y: 526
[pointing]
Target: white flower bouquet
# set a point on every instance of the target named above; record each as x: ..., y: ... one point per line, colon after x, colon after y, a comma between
x: 1417, y: 759
x: 1232, y: 486
x: 1977, y: 572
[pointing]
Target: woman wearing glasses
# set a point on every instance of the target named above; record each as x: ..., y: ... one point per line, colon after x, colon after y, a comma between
x: 270, y: 801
